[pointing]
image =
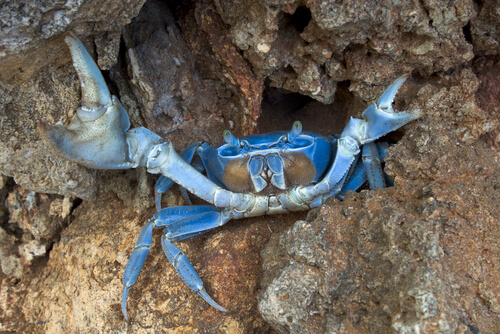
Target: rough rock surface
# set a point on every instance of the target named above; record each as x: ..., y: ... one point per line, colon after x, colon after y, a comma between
x: 422, y: 256
x: 88, y: 290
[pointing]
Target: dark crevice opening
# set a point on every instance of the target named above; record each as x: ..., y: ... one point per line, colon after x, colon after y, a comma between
x: 76, y: 203
x: 180, y: 8
x: 12, y: 229
x: 467, y: 32
x: 300, y: 19
x: 479, y: 3
x: 281, y: 108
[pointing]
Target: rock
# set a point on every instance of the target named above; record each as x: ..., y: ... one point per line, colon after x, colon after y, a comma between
x: 34, y: 223
x: 9, y: 259
x: 85, y: 269
x: 376, y: 42
x: 27, y: 43
x: 483, y: 30
x: 412, y: 258
x: 175, y: 103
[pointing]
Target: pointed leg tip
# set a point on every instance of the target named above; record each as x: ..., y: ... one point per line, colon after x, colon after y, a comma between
x: 70, y: 39
x: 203, y: 294
x: 124, y: 302
x: 42, y: 128
x: 220, y: 308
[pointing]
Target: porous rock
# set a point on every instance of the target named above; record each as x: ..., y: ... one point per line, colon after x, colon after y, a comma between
x: 84, y: 277
x: 419, y: 257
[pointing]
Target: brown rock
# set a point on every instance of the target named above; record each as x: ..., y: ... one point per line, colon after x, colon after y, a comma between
x: 80, y: 288
x: 414, y: 257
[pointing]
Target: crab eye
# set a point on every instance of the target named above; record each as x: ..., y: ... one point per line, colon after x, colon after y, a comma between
x: 230, y: 139
x: 296, y: 130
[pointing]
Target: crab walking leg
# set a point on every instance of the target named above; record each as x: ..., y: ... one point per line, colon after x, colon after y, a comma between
x: 195, y: 224
x: 186, y: 271
x: 188, y: 227
x: 358, y: 176
x: 373, y: 166
x: 136, y: 261
x: 164, y: 160
x: 162, y: 219
x: 355, y: 180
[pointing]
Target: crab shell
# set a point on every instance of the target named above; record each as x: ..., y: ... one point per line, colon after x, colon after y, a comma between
x: 268, y: 159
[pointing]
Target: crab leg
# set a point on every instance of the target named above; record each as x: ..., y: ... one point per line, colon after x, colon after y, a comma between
x: 378, y: 120
x: 186, y: 271
x: 358, y: 175
x: 136, y: 261
x: 372, y: 163
x: 182, y: 222
x: 354, y: 181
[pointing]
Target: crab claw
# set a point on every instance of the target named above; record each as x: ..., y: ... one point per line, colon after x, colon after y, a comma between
x: 380, y: 118
x: 96, y: 136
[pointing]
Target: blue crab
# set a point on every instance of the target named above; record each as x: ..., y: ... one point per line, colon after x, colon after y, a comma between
x: 256, y: 175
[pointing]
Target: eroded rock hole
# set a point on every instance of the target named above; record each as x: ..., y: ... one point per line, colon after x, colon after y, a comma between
x: 300, y: 19
x: 7, y: 187
x: 467, y: 33
x: 281, y: 108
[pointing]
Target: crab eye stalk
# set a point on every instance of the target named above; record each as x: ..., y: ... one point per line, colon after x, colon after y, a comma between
x: 230, y: 139
x: 296, y: 130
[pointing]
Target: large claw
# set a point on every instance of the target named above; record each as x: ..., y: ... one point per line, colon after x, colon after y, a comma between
x: 380, y: 118
x: 96, y: 136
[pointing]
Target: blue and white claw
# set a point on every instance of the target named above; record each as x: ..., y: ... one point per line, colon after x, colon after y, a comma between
x: 97, y: 135
x: 380, y: 118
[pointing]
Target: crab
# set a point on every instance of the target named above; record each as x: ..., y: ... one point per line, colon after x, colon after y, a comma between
x: 256, y: 175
